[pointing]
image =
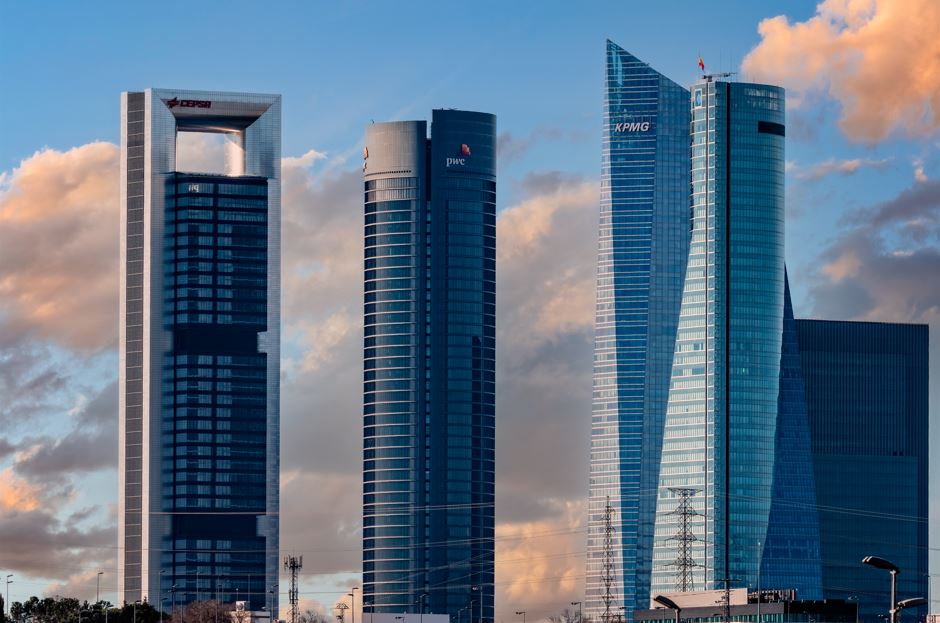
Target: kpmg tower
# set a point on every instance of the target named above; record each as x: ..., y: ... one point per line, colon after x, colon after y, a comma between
x: 199, y: 352
x: 643, y: 242
x: 736, y: 439
x: 429, y: 365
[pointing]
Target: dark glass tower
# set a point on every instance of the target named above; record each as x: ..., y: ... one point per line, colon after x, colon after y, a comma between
x: 642, y: 248
x: 199, y: 352
x: 866, y: 385
x: 429, y: 365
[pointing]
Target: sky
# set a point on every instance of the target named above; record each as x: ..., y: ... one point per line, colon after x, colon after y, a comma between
x: 863, y: 232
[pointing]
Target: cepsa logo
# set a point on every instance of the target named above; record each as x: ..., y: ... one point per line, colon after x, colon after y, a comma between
x: 632, y: 126
x: 173, y: 103
x: 462, y: 159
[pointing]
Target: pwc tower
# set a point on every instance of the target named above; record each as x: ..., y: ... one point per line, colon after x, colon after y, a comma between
x: 429, y: 365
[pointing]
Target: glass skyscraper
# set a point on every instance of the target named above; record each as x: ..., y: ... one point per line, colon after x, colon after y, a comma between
x: 867, y: 388
x: 199, y: 352
x: 726, y: 397
x: 642, y: 247
x: 429, y: 365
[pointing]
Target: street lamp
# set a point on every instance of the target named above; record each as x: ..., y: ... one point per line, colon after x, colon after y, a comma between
x: 890, y: 567
x: 459, y: 612
x: 353, y: 596
x: 913, y: 602
x: 371, y: 609
x: 420, y: 602
x: 665, y: 601
x: 578, y: 604
x: 476, y: 588
x: 7, y: 602
x: 134, y: 616
x: 522, y: 612
x: 98, y: 587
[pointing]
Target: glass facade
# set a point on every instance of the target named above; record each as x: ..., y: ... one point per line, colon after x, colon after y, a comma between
x: 429, y: 365
x: 214, y: 387
x: 789, y: 556
x: 867, y: 391
x: 642, y: 248
x: 721, y: 418
x: 199, y: 353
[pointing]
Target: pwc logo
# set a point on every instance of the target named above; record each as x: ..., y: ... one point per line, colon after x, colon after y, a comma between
x: 173, y: 103
x: 461, y: 159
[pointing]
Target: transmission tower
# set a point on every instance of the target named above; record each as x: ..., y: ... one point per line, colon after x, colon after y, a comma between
x: 684, y: 538
x: 608, y: 559
x: 293, y: 564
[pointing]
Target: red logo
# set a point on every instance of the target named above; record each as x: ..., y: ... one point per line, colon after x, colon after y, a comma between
x: 464, y: 150
x: 173, y: 103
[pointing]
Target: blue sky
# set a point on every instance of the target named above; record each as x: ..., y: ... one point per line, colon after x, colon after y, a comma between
x: 539, y: 67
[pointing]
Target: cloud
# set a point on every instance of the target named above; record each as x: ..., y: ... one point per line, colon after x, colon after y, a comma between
x: 303, y: 161
x: 37, y: 544
x: 510, y: 148
x: 832, y: 166
x: 877, y: 58
x: 59, y: 242
x: 30, y: 384
x: 919, y: 175
x: 17, y: 494
x: 540, y: 564
x: 90, y: 445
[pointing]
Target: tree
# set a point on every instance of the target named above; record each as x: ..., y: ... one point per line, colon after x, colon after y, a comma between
x: 567, y: 616
x: 313, y: 616
x: 210, y: 611
x: 68, y: 610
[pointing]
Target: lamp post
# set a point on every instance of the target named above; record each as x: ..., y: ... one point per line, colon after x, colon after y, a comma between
x: 134, y: 615
x: 98, y: 587
x: 420, y: 603
x: 7, y: 602
x: 890, y: 567
x: 371, y: 610
x: 476, y: 588
x: 459, y: 612
x: 162, y: 594
x: 522, y: 612
x: 665, y: 601
x: 578, y: 604
x: 352, y: 594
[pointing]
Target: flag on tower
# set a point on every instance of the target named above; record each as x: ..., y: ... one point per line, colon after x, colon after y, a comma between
x: 701, y: 64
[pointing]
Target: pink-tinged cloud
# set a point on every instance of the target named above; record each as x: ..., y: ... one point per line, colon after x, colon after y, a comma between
x: 880, y: 59
x: 59, y: 247
x: 17, y: 494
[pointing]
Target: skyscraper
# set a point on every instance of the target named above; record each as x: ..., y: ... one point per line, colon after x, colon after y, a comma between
x: 199, y: 352
x: 725, y: 399
x: 643, y: 242
x: 866, y: 384
x: 429, y: 365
